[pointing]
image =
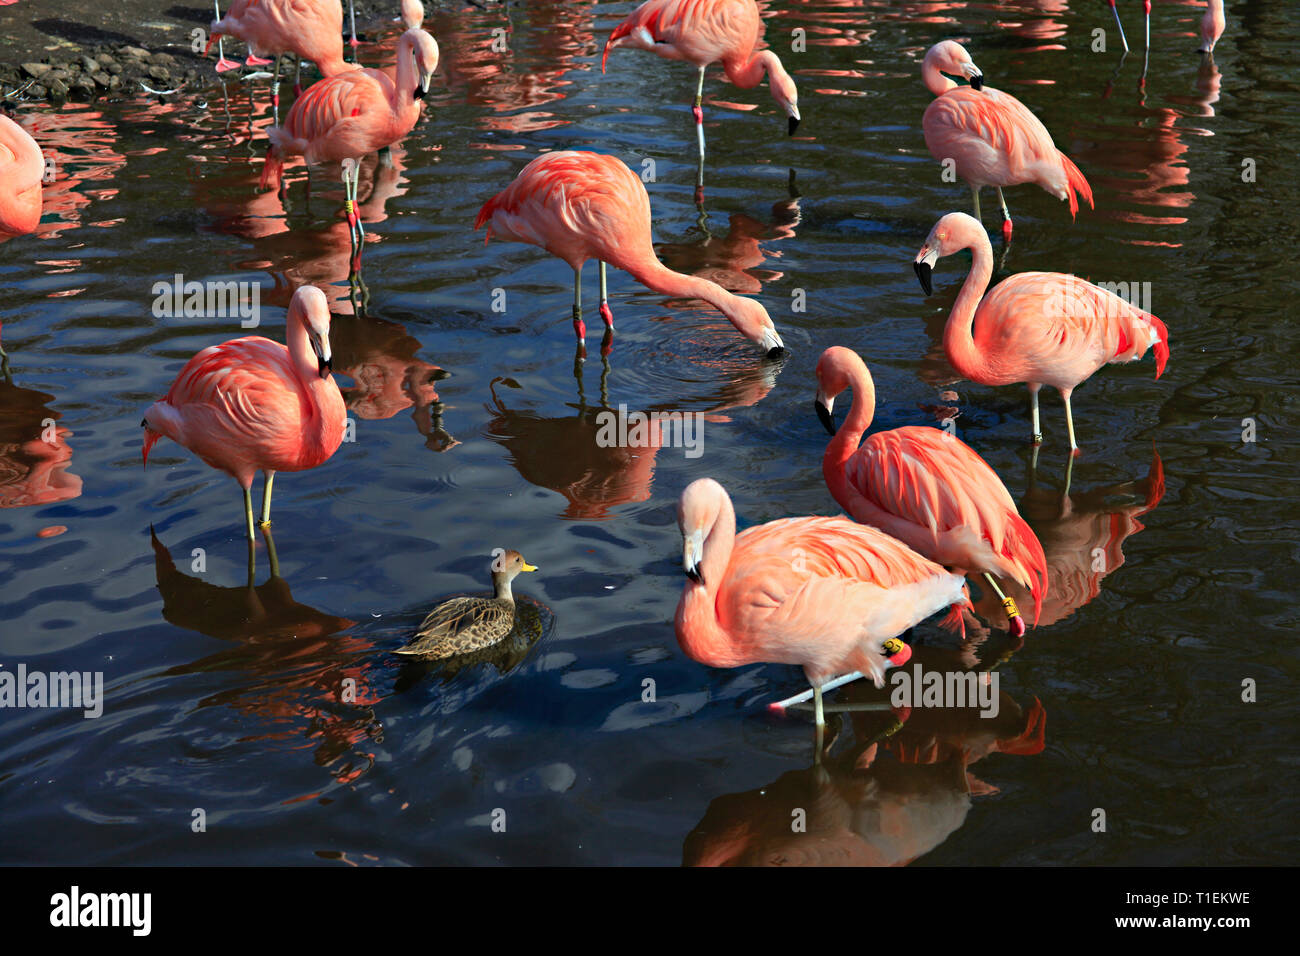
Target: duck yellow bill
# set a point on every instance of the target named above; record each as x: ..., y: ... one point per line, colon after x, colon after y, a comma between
x: 530, y: 567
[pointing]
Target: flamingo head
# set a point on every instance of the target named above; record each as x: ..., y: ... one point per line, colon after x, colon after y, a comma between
x: 786, y: 96
x: 833, y: 378
x: 951, y: 57
x: 697, y: 512
x: 425, y: 50
x: 950, y: 234
x: 752, y: 321
x: 310, y: 306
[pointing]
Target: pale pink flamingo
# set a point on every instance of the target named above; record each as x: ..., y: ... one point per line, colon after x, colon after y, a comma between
x: 252, y: 405
x: 1212, y: 24
x: 703, y: 32
x: 579, y: 206
x: 307, y: 29
x: 827, y: 594
x: 346, y: 116
x: 1040, y: 328
x: 926, y: 487
x: 22, y: 168
x: 990, y: 137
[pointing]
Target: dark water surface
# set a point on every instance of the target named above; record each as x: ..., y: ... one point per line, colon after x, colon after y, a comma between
x: 226, y: 699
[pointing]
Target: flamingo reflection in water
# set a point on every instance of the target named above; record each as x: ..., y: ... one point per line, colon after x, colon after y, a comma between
x: 900, y: 791
x: 34, y: 452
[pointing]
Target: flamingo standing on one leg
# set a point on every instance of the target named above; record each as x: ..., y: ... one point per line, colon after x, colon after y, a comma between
x: 991, y: 137
x: 252, y: 405
x: 1212, y: 25
x: 828, y: 594
x: 344, y: 117
x: 1040, y: 328
x: 703, y: 32
x: 22, y: 169
x: 926, y: 487
x: 579, y: 206
x: 310, y: 29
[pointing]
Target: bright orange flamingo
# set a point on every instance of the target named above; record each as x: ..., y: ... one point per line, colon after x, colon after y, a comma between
x: 21, y: 170
x: 580, y: 206
x: 827, y: 594
x: 1040, y: 328
x: 252, y: 405
x: 344, y: 117
x: 990, y: 137
x: 925, y: 487
x: 703, y: 32
x: 310, y: 29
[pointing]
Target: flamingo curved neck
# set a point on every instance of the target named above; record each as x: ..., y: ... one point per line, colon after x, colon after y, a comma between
x: 935, y: 81
x: 748, y: 74
x: 698, y: 629
x: 407, y: 74
x: 958, y: 335
x: 849, y: 435
x: 653, y: 274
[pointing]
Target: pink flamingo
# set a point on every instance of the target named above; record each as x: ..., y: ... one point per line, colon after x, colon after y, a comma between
x: 703, y: 32
x: 925, y: 487
x: 22, y: 169
x: 311, y: 29
x: 1212, y: 25
x: 252, y: 405
x: 580, y: 206
x: 1040, y: 328
x: 346, y: 116
x: 990, y: 137
x: 825, y: 593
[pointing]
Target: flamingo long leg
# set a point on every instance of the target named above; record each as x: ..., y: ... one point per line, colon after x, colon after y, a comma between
x: 266, y: 499
x: 352, y: 25
x: 780, y: 706
x: 1033, y: 408
x: 1009, y: 605
x: 579, y: 327
x: 248, y: 512
x: 222, y: 63
x: 1147, y: 7
x: 975, y: 195
x: 698, y: 111
x: 820, y: 719
x: 1069, y: 420
x: 270, y: 552
x: 605, y: 312
x: 1122, y: 39
x: 1006, y: 216
x: 275, y: 90
x: 297, y: 76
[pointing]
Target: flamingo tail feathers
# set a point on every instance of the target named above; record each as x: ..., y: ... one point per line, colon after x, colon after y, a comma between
x: 1077, y: 184
x: 1023, y: 548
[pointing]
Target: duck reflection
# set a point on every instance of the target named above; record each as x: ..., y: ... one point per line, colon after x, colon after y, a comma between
x: 34, y: 451
x: 294, y: 674
x: 571, y: 454
x: 901, y: 791
x: 1082, y: 536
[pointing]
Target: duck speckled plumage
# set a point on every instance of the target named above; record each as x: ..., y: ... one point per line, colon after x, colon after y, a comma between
x: 466, y: 624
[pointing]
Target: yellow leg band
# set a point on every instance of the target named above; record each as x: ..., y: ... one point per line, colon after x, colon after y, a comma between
x: 1009, y: 605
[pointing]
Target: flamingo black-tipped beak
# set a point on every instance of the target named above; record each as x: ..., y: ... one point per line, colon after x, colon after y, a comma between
x: 694, y: 575
x: 419, y: 93
x: 824, y: 415
x: 794, y: 125
x: 324, y: 366
x: 923, y: 273
x: 775, y: 352
x: 977, y: 82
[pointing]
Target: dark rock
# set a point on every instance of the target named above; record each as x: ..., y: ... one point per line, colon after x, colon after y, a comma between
x: 58, y: 90
x: 89, y: 64
x: 35, y: 69
x: 135, y: 52
x: 163, y: 59
x: 112, y: 66
x: 101, y: 78
x: 159, y: 72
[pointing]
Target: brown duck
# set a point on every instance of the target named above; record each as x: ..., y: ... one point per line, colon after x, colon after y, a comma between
x: 467, y: 624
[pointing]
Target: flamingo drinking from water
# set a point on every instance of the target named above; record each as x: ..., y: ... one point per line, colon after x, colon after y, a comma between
x: 828, y: 594
x: 1212, y: 24
x: 989, y: 137
x: 1040, y: 328
x: 344, y: 117
x: 252, y: 405
x: 925, y: 487
x: 703, y: 32
x: 22, y: 169
x: 580, y: 206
